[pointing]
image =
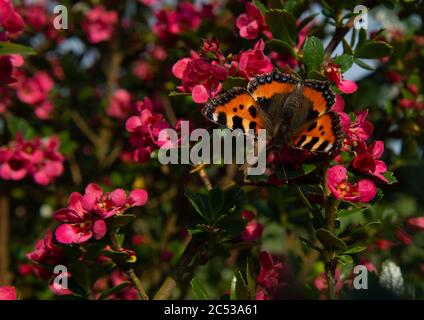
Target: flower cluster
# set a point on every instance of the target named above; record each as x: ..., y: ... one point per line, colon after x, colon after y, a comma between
x: 252, y: 23
x: 185, y: 17
x: 34, y: 91
x: 10, y: 20
x: 99, y: 24
x: 37, y: 158
x: 85, y: 215
x: 145, y: 129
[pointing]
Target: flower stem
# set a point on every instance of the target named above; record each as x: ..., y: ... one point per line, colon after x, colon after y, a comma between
x: 136, y: 281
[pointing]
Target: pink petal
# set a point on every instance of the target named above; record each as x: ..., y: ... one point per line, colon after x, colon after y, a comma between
x: 95, y: 190
x: 138, y: 197
x: 200, y: 94
x: 8, y: 293
x: 347, y: 86
x: 133, y: 123
x: 99, y: 229
x: 367, y: 190
x: 118, y: 197
x: 179, y: 67
x: 68, y: 234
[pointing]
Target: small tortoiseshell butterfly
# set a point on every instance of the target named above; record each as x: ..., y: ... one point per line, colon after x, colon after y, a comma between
x: 294, y: 114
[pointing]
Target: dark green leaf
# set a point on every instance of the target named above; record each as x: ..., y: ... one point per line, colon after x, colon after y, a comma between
x: 308, y: 168
x: 199, y: 202
x: 330, y: 241
x: 119, y: 221
x: 199, y: 292
x: 216, y: 202
x: 251, y: 280
x: 355, y: 249
x: 313, y: 53
x: 363, y: 65
x: 7, y: 48
x: 282, y: 25
x: 239, y: 288
x: 280, y: 46
x: 347, y: 49
x: 390, y: 177
x: 16, y: 125
x: 262, y: 8
x: 344, y: 259
x: 345, y: 61
x: 374, y: 50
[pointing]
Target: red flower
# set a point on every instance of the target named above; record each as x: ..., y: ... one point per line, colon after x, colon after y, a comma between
x: 416, y: 223
x: 362, y: 191
x: 200, y: 77
x: 46, y: 253
x: 84, y: 217
x: 10, y: 20
x: 403, y: 237
x: 253, y: 230
x: 184, y: 18
x: 254, y: 62
x: 383, y: 244
x: 367, y: 159
x: 38, y: 158
x: 99, y: 24
x: 269, y: 280
x: 252, y: 23
x: 334, y: 74
x: 120, y: 104
x: 7, y: 293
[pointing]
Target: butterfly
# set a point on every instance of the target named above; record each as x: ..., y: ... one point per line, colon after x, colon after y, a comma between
x: 294, y: 113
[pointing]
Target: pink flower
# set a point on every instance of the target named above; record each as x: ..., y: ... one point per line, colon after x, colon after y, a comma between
x: 416, y: 223
x: 334, y: 74
x: 383, y: 244
x: 37, y: 158
x: 170, y: 23
x: 254, y: 62
x: 252, y: 23
x: 120, y: 105
x: 322, y: 285
x: 367, y: 159
x: 253, y: 230
x: 34, y: 90
x: 270, y: 278
x: 85, y: 216
x: 45, y: 253
x: 36, y: 16
x: 145, y: 129
x: 362, y: 191
x: 8, y: 293
x: 99, y: 24
x: 403, y: 237
x: 143, y: 71
x: 200, y: 77
x: 10, y: 20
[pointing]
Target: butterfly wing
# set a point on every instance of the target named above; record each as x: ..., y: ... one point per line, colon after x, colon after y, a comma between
x: 235, y: 109
x: 323, y: 135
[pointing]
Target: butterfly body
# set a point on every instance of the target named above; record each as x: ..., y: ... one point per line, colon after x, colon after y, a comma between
x: 294, y: 114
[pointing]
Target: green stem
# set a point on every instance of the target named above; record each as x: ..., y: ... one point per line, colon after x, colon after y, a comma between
x: 136, y: 281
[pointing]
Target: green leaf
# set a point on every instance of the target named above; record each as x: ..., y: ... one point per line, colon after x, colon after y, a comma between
x: 251, y: 280
x: 345, y: 61
x: 280, y: 46
x: 199, y: 203
x: 16, y: 125
x: 313, y: 53
x: 199, y: 292
x: 355, y: 249
x: 330, y: 241
x: 374, y: 50
x: 239, y: 288
x: 362, y: 38
x: 363, y: 65
x: 347, y: 49
x: 177, y: 93
x: 216, y: 202
x: 352, y: 210
x: 262, y: 8
x: 7, y: 48
x: 390, y: 177
x: 114, y: 290
x: 308, y: 168
x: 282, y: 25
x: 344, y: 259
x: 116, y: 222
